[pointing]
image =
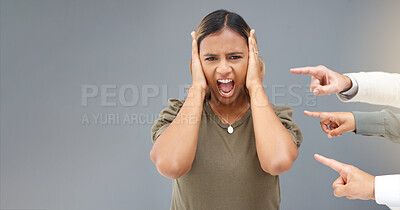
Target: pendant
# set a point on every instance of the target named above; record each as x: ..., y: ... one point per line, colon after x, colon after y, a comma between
x: 230, y: 129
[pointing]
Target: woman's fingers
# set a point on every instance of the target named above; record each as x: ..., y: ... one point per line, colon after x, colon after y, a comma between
x: 252, y: 53
x: 254, y: 43
x: 251, y: 48
x: 198, y: 77
x: 193, y: 34
x: 195, y: 51
x: 253, y: 77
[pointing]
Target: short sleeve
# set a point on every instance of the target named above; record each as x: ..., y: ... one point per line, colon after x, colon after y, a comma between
x: 166, y: 117
x: 284, y: 114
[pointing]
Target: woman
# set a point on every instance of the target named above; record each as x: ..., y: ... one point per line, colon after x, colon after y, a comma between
x: 225, y: 144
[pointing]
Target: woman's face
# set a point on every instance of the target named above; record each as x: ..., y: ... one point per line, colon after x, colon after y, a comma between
x: 224, y: 58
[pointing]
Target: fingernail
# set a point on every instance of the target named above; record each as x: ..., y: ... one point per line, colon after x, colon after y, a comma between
x: 329, y: 136
x: 316, y: 92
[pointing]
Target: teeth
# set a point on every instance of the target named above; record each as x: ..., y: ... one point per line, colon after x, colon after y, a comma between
x: 224, y: 80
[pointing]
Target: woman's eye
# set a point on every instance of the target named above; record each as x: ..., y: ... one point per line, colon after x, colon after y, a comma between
x: 234, y: 57
x: 211, y: 59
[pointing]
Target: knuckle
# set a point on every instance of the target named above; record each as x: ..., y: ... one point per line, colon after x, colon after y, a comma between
x: 335, y: 193
x: 355, y: 170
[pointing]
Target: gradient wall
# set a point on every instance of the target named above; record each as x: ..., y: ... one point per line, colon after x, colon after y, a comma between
x: 82, y: 82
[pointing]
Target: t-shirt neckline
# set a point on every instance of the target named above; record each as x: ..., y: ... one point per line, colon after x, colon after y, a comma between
x: 214, y: 117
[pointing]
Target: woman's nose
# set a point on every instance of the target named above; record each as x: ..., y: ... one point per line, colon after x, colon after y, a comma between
x: 224, y: 67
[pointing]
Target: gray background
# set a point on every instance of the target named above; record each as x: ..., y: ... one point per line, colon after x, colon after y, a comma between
x: 49, y: 49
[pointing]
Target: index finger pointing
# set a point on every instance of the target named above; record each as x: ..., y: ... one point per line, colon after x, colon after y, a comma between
x: 335, y: 165
x: 312, y: 71
x: 323, y: 115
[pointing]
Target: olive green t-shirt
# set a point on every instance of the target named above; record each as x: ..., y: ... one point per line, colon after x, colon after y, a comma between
x: 226, y: 172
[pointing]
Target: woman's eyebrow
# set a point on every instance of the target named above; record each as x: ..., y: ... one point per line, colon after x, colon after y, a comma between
x: 232, y: 53
x: 235, y: 53
x: 210, y: 54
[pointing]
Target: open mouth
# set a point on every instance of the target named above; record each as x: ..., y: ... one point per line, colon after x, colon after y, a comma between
x: 225, y: 87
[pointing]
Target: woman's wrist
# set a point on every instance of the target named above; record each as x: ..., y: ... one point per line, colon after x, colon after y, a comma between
x: 258, y: 97
x: 254, y: 88
x: 196, y: 91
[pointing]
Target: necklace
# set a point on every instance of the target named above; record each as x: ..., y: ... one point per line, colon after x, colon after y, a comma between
x: 230, y: 128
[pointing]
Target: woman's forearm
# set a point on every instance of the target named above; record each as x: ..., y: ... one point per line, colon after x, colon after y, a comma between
x: 276, y: 149
x: 174, y: 150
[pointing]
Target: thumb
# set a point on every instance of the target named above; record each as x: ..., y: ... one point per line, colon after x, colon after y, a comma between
x: 323, y: 90
x: 338, y: 186
x: 336, y: 132
x: 340, y: 181
x: 340, y: 191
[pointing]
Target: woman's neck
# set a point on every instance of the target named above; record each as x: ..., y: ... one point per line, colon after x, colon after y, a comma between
x: 230, y: 112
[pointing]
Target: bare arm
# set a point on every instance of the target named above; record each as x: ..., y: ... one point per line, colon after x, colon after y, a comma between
x: 174, y: 150
x: 276, y: 149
